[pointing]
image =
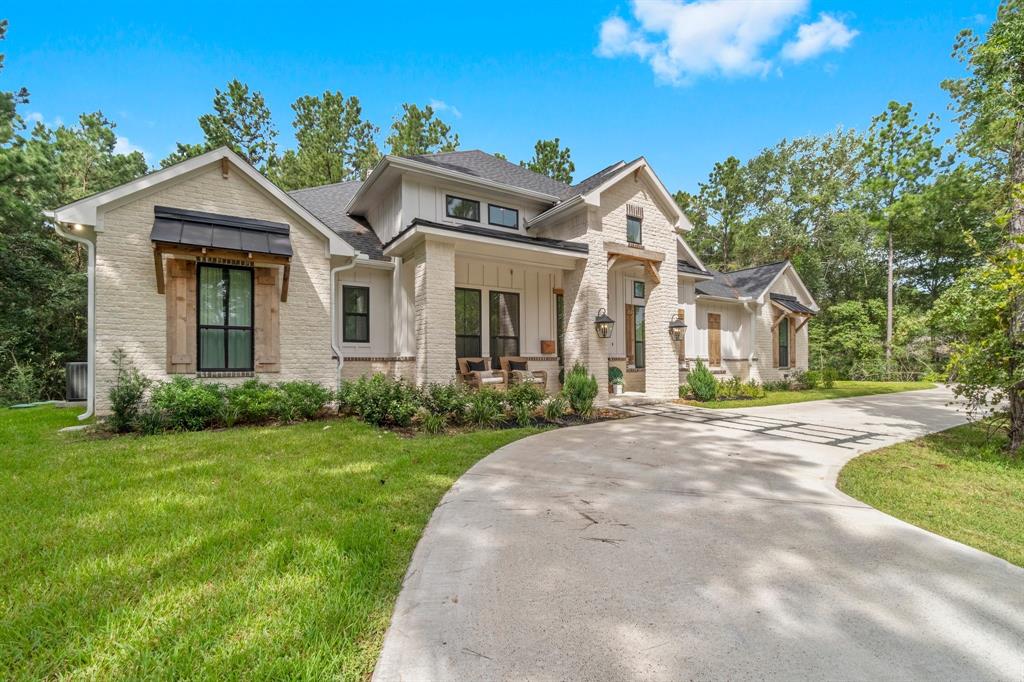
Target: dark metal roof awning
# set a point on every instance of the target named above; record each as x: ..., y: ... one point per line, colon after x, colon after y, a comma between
x: 211, y: 230
x: 791, y: 304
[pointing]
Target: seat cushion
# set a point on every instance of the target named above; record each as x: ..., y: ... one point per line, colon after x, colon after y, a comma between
x: 517, y: 365
x: 491, y: 379
x: 476, y: 365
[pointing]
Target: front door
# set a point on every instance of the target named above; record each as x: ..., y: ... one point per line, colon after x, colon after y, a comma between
x: 714, y: 339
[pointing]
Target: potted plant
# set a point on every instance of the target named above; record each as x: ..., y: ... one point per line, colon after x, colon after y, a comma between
x: 615, y: 380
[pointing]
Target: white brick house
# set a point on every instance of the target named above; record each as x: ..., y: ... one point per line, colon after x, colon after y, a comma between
x: 207, y: 269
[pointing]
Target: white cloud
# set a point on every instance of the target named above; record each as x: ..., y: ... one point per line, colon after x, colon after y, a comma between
x: 684, y: 40
x: 33, y: 118
x: 440, y: 105
x: 827, y: 33
x: 124, y: 146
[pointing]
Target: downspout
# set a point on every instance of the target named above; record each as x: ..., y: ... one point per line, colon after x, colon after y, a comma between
x: 334, y: 315
x: 90, y: 403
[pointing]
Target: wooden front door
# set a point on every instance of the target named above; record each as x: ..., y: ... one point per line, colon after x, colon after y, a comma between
x: 714, y: 339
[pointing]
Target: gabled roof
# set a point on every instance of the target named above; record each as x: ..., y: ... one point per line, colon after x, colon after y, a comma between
x: 84, y: 211
x: 480, y: 164
x: 328, y: 203
x: 746, y: 283
x: 791, y: 303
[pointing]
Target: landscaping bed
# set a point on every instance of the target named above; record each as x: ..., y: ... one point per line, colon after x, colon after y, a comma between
x: 959, y: 483
x: 255, y: 552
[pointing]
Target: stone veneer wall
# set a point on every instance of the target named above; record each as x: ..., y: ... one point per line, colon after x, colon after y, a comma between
x: 130, y: 314
x: 435, y: 312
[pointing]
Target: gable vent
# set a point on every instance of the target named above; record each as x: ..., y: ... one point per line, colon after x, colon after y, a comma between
x: 634, y: 211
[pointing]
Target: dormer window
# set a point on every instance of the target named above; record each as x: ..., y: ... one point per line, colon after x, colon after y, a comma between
x: 464, y: 209
x: 502, y: 216
x: 634, y: 224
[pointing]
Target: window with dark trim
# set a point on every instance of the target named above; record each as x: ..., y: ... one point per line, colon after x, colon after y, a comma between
x: 466, y: 209
x: 639, y: 337
x: 468, y: 322
x: 355, y: 314
x: 639, y: 289
x: 504, y: 328
x: 502, y: 216
x: 634, y: 230
x: 784, y: 342
x: 225, y: 302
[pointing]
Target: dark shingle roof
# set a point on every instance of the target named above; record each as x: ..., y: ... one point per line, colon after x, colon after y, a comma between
x: 686, y: 267
x: 489, y: 167
x: 750, y: 282
x: 587, y: 184
x: 198, y: 228
x: 328, y: 203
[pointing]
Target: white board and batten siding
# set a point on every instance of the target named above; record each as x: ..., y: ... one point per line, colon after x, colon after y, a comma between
x: 735, y: 322
x: 426, y: 200
x: 535, y: 286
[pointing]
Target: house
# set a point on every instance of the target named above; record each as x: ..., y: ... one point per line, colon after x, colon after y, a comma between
x: 207, y: 269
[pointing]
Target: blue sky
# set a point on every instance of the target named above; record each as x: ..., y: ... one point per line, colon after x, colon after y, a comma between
x: 613, y: 80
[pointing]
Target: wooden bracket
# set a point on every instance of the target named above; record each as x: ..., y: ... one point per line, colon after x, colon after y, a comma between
x: 778, y: 318
x: 807, y: 318
x: 158, y: 265
x: 652, y: 271
x: 284, y: 284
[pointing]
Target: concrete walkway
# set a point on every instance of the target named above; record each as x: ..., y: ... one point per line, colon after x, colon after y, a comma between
x: 671, y: 547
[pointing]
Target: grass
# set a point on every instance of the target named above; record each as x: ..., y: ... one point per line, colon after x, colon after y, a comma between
x: 842, y: 389
x: 957, y: 483
x: 247, y: 553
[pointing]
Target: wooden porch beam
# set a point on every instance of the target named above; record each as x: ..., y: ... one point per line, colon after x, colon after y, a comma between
x: 652, y: 271
x: 807, y: 318
x: 284, y: 284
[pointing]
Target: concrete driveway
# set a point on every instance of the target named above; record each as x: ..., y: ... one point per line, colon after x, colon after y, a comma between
x: 688, y: 544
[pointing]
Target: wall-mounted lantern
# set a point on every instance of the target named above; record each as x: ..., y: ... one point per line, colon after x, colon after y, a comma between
x: 603, y: 324
x: 677, y: 328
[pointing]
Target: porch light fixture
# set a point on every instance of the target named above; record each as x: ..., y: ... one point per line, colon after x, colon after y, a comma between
x: 603, y: 324
x: 677, y: 328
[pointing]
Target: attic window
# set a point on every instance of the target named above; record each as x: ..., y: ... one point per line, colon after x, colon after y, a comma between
x: 466, y: 209
x: 634, y: 224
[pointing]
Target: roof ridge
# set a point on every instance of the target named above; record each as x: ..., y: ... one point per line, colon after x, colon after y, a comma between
x: 329, y: 184
x: 755, y: 267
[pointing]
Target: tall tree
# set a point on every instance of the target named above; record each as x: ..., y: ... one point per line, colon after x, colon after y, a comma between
x: 418, y: 131
x: 990, y: 105
x: 720, y: 206
x: 241, y: 121
x: 335, y: 143
x: 551, y: 160
x: 899, y: 158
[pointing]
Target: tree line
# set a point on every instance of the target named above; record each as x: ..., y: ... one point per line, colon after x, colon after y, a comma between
x: 912, y: 245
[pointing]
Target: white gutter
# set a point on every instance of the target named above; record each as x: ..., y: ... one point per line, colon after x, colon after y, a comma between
x: 334, y: 315
x: 90, y: 404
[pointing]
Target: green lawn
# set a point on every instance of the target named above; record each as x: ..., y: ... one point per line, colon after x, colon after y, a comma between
x: 955, y: 483
x: 842, y: 389
x: 249, y: 553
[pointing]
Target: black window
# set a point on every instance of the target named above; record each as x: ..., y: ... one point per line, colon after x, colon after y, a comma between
x: 504, y: 319
x: 502, y: 217
x: 634, y: 230
x: 457, y: 207
x: 355, y: 306
x: 639, y: 290
x: 225, y: 303
x: 784, y: 342
x: 467, y: 323
x: 639, y: 339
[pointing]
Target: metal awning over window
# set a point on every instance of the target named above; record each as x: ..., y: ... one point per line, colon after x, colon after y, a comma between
x: 214, y: 231
x: 791, y: 304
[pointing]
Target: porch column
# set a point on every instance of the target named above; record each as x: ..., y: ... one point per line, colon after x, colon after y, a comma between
x: 435, y: 312
x: 586, y: 292
x: 662, y: 372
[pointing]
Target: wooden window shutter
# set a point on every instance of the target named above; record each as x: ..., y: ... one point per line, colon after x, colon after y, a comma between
x: 775, y: 346
x: 268, y: 321
x: 792, y: 345
x: 180, y: 300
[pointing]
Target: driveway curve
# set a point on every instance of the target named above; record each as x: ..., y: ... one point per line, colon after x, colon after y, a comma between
x: 691, y: 544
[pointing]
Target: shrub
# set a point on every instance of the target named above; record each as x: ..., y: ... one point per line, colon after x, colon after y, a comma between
x: 188, y: 404
x: 729, y: 389
x: 702, y: 382
x: 127, y: 394
x: 615, y: 377
x: 486, y: 407
x: 380, y: 401
x: 251, y: 402
x: 529, y: 396
x: 775, y: 386
x: 150, y: 421
x: 828, y: 377
x: 447, y: 400
x: 21, y: 384
x: 751, y: 390
x: 555, y: 408
x: 300, y: 400
x: 522, y: 414
x: 811, y: 379
x: 432, y: 422
x: 580, y: 390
